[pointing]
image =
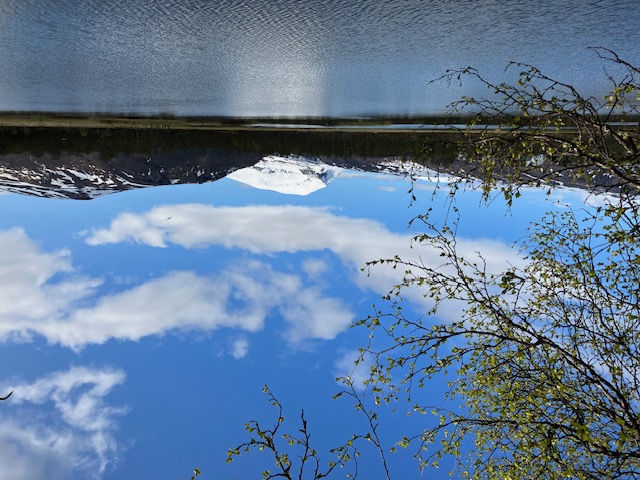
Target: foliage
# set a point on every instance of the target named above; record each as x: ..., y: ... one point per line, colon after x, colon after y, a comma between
x: 540, y: 130
x: 544, y: 357
x: 293, y: 454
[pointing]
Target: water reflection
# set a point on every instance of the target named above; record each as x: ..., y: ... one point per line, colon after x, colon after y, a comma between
x: 130, y: 318
x: 75, y: 311
x: 85, y: 164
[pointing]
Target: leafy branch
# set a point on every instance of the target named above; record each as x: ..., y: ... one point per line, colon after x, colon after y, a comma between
x: 545, y: 356
x: 293, y: 454
x: 539, y: 130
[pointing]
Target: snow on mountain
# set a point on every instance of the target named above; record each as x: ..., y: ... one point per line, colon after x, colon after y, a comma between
x: 407, y: 168
x: 62, y: 182
x: 89, y: 175
x: 290, y: 175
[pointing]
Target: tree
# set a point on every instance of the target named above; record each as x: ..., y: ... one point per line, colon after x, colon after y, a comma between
x: 545, y: 357
x: 539, y: 130
x: 293, y: 454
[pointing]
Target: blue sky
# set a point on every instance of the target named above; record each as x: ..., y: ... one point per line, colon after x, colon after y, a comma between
x: 139, y: 328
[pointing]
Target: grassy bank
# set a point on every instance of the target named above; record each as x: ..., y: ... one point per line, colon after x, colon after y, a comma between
x: 168, y: 122
x: 70, y: 120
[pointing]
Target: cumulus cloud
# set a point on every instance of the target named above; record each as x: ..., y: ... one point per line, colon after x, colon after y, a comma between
x: 272, y: 229
x: 60, y: 426
x: 258, y: 229
x: 40, y: 295
x: 314, y: 268
x: 181, y: 300
x: 30, y: 290
x: 239, y: 348
x: 314, y: 316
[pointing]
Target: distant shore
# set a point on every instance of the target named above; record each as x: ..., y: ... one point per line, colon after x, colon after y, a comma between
x: 388, y: 124
x: 78, y: 120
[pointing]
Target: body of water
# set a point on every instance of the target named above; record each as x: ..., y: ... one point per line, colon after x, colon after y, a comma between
x: 152, y: 281
x: 138, y: 325
x: 290, y: 58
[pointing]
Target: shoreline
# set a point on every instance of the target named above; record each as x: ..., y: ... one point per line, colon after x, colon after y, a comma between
x: 80, y: 120
x: 389, y: 124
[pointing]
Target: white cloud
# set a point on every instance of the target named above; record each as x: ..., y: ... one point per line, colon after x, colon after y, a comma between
x: 568, y: 196
x: 241, y: 297
x: 40, y: 294
x: 314, y: 268
x: 34, y: 302
x: 60, y: 425
x: 29, y: 290
x: 314, y: 316
x: 239, y: 348
x: 177, y: 300
x: 273, y: 229
x: 258, y: 229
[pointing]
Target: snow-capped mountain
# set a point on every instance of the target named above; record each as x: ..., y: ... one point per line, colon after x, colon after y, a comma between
x: 290, y: 175
x: 87, y: 176
x: 61, y: 182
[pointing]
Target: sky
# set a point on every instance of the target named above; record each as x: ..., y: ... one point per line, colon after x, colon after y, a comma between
x: 139, y: 328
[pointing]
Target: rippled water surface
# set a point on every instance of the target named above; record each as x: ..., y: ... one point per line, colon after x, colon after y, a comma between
x: 285, y: 57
